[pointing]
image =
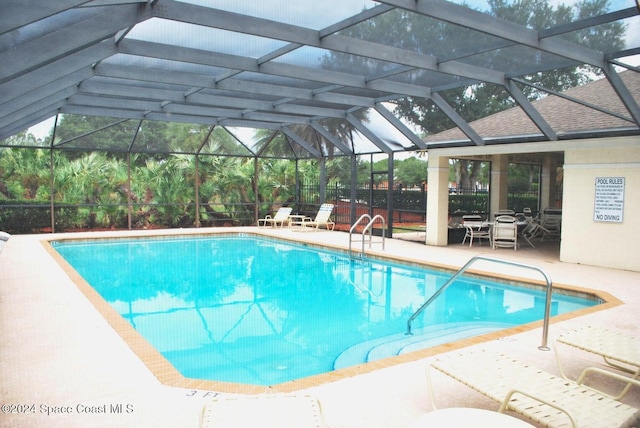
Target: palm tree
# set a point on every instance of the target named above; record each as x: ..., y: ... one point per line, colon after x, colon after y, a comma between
x: 24, y: 173
x: 83, y: 181
x: 168, y: 186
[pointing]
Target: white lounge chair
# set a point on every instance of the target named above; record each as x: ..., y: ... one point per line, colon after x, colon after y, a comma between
x: 4, y: 237
x: 547, y: 399
x: 271, y: 410
x: 619, y: 349
x: 322, y: 218
x: 278, y: 219
x: 468, y: 417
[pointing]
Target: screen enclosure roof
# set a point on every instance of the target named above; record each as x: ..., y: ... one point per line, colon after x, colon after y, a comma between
x: 302, y: 79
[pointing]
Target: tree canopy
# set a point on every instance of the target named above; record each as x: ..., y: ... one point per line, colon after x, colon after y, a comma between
x: 482, y: 100
x: 411, y: 31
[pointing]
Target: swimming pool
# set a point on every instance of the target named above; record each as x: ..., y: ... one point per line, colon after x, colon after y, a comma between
x: 255, y: 310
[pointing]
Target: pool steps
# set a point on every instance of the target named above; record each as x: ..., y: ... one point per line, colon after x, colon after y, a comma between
x: 400, y: 343
x: 472, y: 260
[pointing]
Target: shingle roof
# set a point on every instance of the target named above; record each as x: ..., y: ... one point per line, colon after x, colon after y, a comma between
x: 563, y: 115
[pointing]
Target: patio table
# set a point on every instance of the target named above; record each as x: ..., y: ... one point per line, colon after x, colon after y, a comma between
x: 296, y: 220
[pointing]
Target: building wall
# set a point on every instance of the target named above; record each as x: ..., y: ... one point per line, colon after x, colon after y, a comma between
x: 584, y: 240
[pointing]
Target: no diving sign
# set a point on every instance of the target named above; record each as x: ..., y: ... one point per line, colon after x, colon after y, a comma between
x: 609, y: 199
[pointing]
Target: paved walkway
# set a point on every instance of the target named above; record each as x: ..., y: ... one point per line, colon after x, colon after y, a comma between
x: 59, y: 354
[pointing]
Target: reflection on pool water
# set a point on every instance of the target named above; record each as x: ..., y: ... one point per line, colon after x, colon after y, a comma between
x: 248, y: 309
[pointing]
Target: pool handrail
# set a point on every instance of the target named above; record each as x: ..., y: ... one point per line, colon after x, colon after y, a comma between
x: 547, y: 309
x: 367, y: 228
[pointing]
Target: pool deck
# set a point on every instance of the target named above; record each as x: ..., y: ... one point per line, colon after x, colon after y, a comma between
x: 59, y: 354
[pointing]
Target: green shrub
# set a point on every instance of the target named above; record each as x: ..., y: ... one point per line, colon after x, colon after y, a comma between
x: 24, y: 218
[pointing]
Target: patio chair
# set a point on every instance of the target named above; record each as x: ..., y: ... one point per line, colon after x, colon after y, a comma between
x: 532, y: 230
x: 544, y: 398
x: 619, y: 350
x: 455, y: 219
x: 475, y: 228
x: 278, y: 219
x: 272, y: 410
x: 322, y: 219
x: 503, y: 212
x: 552, y: 223
x: 505, y: 232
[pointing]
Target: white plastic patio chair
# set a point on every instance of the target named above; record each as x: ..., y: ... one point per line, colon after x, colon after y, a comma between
x: 552, y: 223
x: 505, y: 232
x: 475, y: 228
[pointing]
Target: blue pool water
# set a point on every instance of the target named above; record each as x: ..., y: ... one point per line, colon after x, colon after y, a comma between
x: 254, y: 310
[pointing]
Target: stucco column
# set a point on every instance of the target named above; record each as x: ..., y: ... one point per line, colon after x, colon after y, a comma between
x: 499, y: 185
x: 437, y: 200
x: 547, y: 184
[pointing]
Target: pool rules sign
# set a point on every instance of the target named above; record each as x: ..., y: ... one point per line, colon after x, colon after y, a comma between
x: 609, y: 200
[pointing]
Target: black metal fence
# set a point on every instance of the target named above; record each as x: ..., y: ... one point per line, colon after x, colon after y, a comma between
x: 409, y: 206
x: 414, y: 200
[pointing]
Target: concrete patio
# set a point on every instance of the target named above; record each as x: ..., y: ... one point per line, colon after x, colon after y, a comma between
x: 65, y: 365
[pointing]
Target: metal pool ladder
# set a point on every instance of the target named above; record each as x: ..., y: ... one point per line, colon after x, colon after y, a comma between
x: 366, y: 229
x: 547, y: 309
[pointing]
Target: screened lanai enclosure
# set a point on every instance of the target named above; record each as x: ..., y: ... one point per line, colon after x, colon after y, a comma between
x: 134, y: 114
